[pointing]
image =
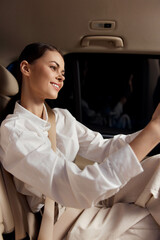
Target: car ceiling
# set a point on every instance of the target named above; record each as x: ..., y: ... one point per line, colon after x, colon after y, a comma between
x: 66, y: 23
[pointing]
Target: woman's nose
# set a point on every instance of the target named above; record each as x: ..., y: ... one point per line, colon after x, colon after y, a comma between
x: 60, y: 77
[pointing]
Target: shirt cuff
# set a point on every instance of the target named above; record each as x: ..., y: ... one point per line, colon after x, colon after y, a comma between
x: 125, y: 164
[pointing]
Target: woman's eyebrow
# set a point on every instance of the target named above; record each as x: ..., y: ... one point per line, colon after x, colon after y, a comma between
x: 57, y: 65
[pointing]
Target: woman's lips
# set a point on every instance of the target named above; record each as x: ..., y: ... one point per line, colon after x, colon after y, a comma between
x: 56, y: 86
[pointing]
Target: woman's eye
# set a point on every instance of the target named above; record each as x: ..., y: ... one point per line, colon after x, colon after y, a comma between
x: 53, y: 67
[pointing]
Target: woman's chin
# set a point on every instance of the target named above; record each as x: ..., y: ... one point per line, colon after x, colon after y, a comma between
x: 52, y: 97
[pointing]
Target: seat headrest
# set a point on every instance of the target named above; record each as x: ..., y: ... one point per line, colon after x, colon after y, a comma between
x: 8, y: 83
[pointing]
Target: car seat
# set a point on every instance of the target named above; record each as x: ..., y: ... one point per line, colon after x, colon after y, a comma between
x: 16, y: 219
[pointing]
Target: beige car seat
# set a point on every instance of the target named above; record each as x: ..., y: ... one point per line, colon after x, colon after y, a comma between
x: 16, y: 217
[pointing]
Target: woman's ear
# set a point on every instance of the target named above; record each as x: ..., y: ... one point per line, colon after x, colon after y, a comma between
x: 24, y: 67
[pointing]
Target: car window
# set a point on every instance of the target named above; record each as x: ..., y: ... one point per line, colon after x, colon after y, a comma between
x: 111, y: 93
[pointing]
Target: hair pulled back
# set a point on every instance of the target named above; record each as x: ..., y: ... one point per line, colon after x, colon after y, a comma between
x: 30, y: 53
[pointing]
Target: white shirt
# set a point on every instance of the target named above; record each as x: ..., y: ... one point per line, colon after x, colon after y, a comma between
x: 39, y: 171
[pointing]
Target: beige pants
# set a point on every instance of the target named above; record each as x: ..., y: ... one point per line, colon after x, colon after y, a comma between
x: 132, y: 214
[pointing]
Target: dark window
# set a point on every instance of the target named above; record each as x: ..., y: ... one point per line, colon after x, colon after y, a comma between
x: 111, y: 93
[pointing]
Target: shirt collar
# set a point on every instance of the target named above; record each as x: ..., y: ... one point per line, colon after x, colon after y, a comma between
x: 27, y: 114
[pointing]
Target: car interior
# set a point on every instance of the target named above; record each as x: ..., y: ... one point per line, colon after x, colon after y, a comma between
x: 112, y: 64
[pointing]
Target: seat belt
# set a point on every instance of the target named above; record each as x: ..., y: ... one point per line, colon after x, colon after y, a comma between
x: 47, y: 223
x: 48, y: 229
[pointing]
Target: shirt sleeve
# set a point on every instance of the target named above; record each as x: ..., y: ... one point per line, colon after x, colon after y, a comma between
x: 94, y: 147
x: 29, y: 158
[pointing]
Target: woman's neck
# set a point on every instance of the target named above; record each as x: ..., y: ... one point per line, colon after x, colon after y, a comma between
x: 32, y: 106
x: 29, y: 100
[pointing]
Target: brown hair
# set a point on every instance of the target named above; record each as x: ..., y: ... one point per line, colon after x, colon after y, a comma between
x: 30, y: 53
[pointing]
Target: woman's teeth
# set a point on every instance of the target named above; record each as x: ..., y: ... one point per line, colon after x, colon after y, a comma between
x: 54, y: 84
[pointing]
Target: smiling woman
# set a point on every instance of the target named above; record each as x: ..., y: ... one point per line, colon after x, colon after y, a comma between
x: 40, y: 171
x: 42, y: 79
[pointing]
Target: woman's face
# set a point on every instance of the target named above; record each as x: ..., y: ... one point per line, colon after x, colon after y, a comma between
x: 46, y: 76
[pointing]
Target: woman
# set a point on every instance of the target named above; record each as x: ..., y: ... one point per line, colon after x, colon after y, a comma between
x: 27, y: 152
